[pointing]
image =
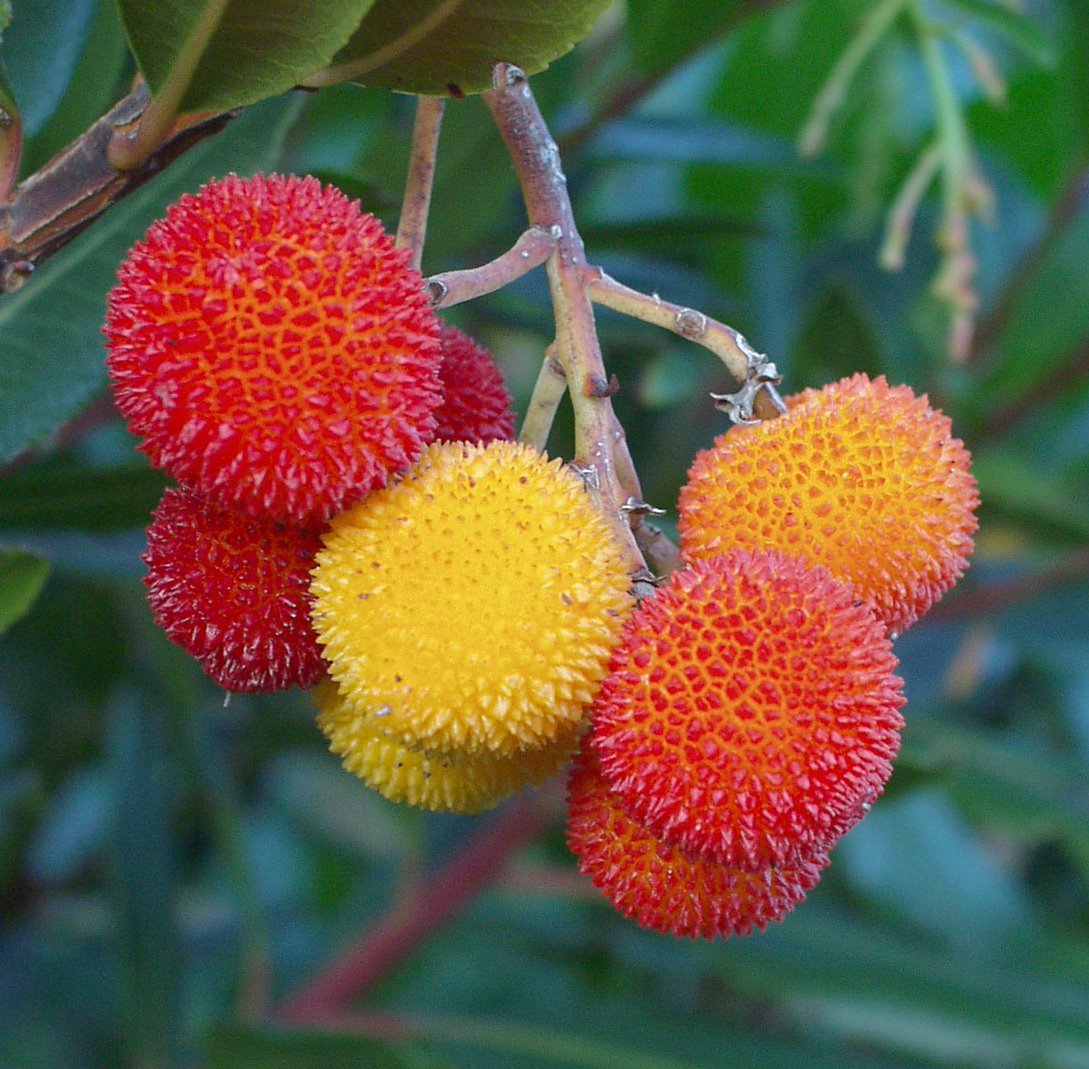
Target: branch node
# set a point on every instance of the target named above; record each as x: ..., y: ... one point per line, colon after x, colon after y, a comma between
x: 634, y: 505
x: 690, y: 323
x: 596, y: 386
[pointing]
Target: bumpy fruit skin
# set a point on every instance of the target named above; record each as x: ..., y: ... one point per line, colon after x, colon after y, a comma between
x: 663, y: 887
x: 750, y: 712
x: 474, y: 602
x: 453, y: 783
x: 233, y: 592
x: 272, y: 348
x: 859, y: 476
x: 476, y: 406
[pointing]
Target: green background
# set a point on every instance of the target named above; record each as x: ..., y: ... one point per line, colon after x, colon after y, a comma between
x: 162, y: 853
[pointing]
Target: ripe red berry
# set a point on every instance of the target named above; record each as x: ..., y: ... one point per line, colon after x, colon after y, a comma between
x: 233, y: 591
x: 476, y: 406
x: 272, y: 347
x: 660, y: 885
x: 750, y: 711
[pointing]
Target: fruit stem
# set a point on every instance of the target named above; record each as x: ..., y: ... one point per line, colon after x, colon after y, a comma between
x: 544, y: 190
x: 726, y: 343
x: 129, y: 150
x: 547, y: 394
x: 412, y: 226
x: 531, y: 250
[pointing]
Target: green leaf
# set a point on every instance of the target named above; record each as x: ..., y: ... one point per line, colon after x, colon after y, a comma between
x: 72, y: 497
x: 22, y: 576
x: 239, y: 1046
x: 660, y: 36
x: 226, y: 53
x: 448, y: 47
x: 1019, y: 29
x: 39, y: 57
x: 50, y: 349
x: 143, y: 879
x: 1013, y: 487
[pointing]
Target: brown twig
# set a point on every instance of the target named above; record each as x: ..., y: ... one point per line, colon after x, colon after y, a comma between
x: 544, y: 190
x: 412, y: 226
x: 73, y: 189
x: 367, y: 959
x: 453, y: 287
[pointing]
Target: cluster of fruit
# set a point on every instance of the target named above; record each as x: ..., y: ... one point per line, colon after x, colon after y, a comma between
x: 277, y: 357
x: 353, y: 516
x: 751, y: 713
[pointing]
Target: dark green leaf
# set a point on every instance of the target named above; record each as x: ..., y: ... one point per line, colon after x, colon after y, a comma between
x: 265, y: 1047
x: 448, y: 47
x: 1018, y: 490
x: 21, y: 578
x: 142, y: 870
x: 661, y: 35
x: 39, y: 53
x: 51, y: 363
x: 1022, y: 30
x: 72, y: 497
x: 226, y: 53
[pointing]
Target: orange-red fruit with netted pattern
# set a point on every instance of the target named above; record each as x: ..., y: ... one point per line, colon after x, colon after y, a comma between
x: 476, y: 406
x: 272, y: 348
x: 862, y: 477
x: 750, y: 712
x: 233, y: 591
x: 661, y: 886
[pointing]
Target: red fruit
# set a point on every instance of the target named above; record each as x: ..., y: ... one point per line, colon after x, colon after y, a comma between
x: 750, y: 711
x: 476, y: 406
x: 273, y: 348
x: 661, y: 886
x: 234, y: 592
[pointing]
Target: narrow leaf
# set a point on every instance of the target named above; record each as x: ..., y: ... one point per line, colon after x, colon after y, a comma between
x: 22, y: 576
x: 264, y: 1047
x: 1018, y: 29
x: 448, y: 47
x: 221, y: 54
x: 71, y: 497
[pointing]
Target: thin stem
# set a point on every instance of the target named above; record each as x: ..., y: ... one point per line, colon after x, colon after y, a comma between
x: 544, y: 189
x: 74, y: 188
x: 905, y: 206
x: 453, y: 287
x: 367, y: 959
x: 547, y: 394
x: 11, y: 146
x: 412, y: 226
x: 131, y: 149
x: 953, y: 283
x: 725, y: 342
x: 834, y: 91
x: 757, y: 396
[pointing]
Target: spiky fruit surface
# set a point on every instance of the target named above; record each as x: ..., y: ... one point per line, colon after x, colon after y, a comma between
x: 475, y: 601
x: 750, y: 711
x: 476, y: 406
x: 233, y: 592
x: 862, y: 477
x: 272, y: 348
x: 660, y: 885
x: 454, y: 783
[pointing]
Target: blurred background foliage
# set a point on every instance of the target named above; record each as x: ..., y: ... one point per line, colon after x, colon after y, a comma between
x: 170, y: 863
